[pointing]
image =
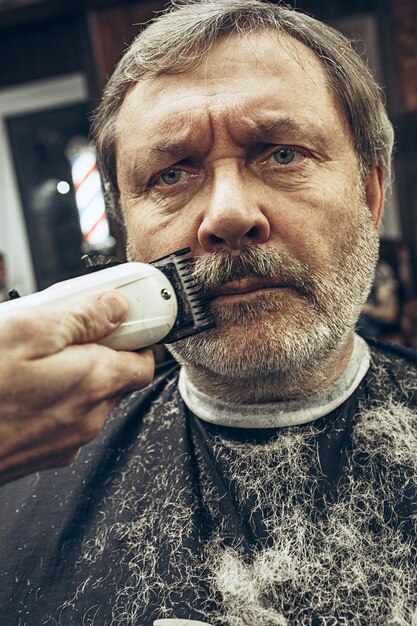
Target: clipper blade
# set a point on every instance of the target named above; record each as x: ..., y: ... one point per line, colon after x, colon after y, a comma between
x: 194, y: 315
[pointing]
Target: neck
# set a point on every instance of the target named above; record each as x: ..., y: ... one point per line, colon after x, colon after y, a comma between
x: 290, y: 412
x: 293, y: 383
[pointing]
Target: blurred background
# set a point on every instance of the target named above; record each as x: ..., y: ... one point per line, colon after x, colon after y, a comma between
x: 55, y: 57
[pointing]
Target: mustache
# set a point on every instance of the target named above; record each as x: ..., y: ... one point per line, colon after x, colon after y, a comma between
x: 220, y: 267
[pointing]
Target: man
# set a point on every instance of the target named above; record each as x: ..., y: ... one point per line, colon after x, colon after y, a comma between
x: 273, y: 481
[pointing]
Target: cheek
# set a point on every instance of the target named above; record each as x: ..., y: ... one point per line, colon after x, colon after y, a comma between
x: 314, y: 223
x: 150, y: 238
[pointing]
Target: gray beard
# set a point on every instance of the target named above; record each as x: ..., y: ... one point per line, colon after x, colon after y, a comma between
x: 345, y: 564
x: 253, y: 356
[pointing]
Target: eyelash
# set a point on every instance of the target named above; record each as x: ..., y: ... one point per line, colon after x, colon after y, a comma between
x: 157, y: 178
x: 298, y: 154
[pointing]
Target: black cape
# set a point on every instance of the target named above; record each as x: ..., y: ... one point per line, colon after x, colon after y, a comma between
x: 65, y: 557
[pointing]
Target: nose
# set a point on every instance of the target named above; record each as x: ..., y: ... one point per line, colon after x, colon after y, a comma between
x: 233, y: 216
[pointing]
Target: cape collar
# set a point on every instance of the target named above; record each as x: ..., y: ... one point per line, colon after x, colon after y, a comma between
x: 282, y: 413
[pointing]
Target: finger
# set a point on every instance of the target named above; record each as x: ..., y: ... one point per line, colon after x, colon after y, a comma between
x: 117, y: 373
x: 83, y: 376
x: 33, y: 332
x: 92, y: 318
x: 56, y: 433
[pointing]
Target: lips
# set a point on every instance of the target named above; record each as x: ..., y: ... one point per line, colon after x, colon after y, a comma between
x: 242, y: 287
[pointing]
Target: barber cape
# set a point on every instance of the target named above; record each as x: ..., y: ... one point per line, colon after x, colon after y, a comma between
x: 303, y: 514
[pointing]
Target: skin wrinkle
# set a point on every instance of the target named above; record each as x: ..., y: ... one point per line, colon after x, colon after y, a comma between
x: 163, y: 52
x: 275, y: 38
x: 198, y: 142
x: 165, y: 128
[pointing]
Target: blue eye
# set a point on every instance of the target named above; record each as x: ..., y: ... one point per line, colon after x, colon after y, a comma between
x: 284, y: 156
x: 170, y: 177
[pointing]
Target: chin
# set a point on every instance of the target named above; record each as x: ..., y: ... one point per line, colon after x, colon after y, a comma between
x: 257, y: 346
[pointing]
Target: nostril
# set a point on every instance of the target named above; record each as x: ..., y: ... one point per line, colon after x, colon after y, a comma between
x: 252, y: 233
x: 214, y: 239
x: 232, y: 229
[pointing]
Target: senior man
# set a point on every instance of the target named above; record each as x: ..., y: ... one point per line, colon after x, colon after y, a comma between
x: 272, y: 480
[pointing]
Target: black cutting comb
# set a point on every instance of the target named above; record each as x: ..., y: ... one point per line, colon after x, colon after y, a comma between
x: 194, y: 315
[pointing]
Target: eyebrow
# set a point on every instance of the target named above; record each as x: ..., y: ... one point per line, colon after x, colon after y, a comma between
x: 267, y: 127
x: 271, y: 130
x: 168, y: 149
x: 142, y: 164
x: 162, y: 150
x: 267, y: 130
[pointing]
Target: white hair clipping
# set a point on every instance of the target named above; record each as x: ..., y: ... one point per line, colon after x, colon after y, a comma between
x: 173, y: 621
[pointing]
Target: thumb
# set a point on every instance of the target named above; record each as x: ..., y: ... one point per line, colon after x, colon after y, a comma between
x: 92, y: 317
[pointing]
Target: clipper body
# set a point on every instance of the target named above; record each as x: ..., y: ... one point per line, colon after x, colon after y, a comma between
x: 164, y: 303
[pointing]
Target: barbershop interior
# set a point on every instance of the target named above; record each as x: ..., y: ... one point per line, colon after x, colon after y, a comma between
x: 55, y: 58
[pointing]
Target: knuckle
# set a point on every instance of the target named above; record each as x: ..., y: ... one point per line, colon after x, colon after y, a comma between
x: 79, y: 325
x: 92, y: 425
x: 97, y: 391
x: 147, y: 376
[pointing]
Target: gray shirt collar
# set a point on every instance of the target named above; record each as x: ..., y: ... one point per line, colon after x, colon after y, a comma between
x: 283, y: 413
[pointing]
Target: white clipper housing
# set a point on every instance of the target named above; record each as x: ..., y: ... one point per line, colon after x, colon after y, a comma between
x: 153, y: 305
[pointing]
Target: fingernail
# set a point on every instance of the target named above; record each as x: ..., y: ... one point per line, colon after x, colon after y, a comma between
x: 114, y: 306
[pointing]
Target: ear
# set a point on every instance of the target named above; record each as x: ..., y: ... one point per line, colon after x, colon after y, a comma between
x: 375, y: 194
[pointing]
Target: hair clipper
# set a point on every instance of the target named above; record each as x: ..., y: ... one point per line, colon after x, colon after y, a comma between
x: 165, y: 303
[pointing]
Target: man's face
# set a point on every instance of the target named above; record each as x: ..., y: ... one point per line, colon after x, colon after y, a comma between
x: 249, y: 151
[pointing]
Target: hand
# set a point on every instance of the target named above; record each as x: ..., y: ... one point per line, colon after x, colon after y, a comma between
x: 56, y: 385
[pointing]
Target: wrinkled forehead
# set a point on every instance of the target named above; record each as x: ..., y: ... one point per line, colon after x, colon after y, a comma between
x: 265, y: 53
x: 239, y: 73
x: 263, y: 49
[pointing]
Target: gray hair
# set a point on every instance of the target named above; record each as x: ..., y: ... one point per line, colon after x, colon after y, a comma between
x: 178, y: 40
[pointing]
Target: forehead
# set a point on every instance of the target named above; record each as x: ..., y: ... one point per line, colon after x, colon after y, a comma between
x: 242, y: 79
